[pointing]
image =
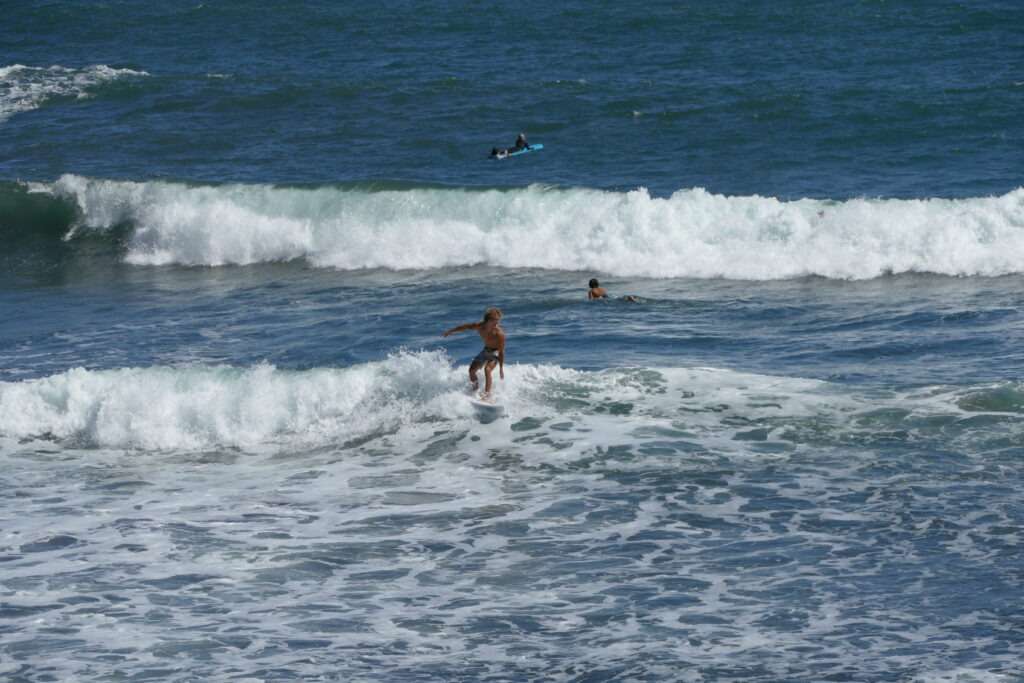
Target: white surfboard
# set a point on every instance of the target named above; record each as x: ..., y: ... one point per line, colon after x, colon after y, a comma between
x: 487, y: 410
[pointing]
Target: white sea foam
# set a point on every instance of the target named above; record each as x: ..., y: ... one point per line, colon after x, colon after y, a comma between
x: 167, y: 408
x: 693, y: 233
x: 410, y: 394
x: 23, y: 88
x: 613, y: 517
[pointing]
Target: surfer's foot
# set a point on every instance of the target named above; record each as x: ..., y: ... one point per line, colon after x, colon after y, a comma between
x: 486, y: 396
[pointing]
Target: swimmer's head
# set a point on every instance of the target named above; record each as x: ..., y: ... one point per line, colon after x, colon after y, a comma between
x: 594, y: 283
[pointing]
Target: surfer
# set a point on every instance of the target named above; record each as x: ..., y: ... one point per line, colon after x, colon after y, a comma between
x: 598, y: 292
x: 502, y: 152
x: 493, y: 352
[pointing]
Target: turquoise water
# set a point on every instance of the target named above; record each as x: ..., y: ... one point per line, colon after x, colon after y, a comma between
x: 235, y: 446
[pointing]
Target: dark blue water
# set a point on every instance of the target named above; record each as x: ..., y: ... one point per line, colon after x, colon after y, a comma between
x: 790, y: 100
x: 235, y: 446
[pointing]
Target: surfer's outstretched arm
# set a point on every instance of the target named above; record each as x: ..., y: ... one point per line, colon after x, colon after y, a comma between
x: 461, y: 328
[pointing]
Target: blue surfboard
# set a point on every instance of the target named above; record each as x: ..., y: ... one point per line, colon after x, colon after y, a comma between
x: 529, y: 148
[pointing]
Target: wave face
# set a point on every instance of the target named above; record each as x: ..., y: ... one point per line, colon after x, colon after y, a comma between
x: 692, y: 233
x: 406, y: 398
x: 24, y: 88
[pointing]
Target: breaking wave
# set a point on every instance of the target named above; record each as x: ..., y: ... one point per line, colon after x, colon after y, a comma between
x: 410, y: 396
x: 24, y: 88
x: 693, y: 233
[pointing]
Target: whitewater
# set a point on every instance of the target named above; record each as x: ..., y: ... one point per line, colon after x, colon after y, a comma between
x: 216, y: 517
x: 263, y: 408
x: 692, y: 233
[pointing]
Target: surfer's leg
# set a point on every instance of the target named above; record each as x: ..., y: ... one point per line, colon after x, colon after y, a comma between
x: 473, y: 367
x: 488, y: 369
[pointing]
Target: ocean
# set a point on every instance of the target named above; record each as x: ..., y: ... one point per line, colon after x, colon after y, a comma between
x: 234, y: 445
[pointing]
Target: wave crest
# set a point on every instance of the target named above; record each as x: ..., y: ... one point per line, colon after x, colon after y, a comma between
x: 692, y: 233
x: 24, y: 88
x: 167, y: 408
x: 411, y: 397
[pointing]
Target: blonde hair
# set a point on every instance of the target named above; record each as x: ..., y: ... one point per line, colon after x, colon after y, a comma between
x: 492, y: 313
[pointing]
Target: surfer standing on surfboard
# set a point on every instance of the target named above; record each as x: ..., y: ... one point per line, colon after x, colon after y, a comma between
x: 493, y: 353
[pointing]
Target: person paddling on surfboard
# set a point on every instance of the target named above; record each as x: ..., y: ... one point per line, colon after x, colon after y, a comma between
x: 520, y: 145
x: 493, y: 353
x: 596, y: 291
